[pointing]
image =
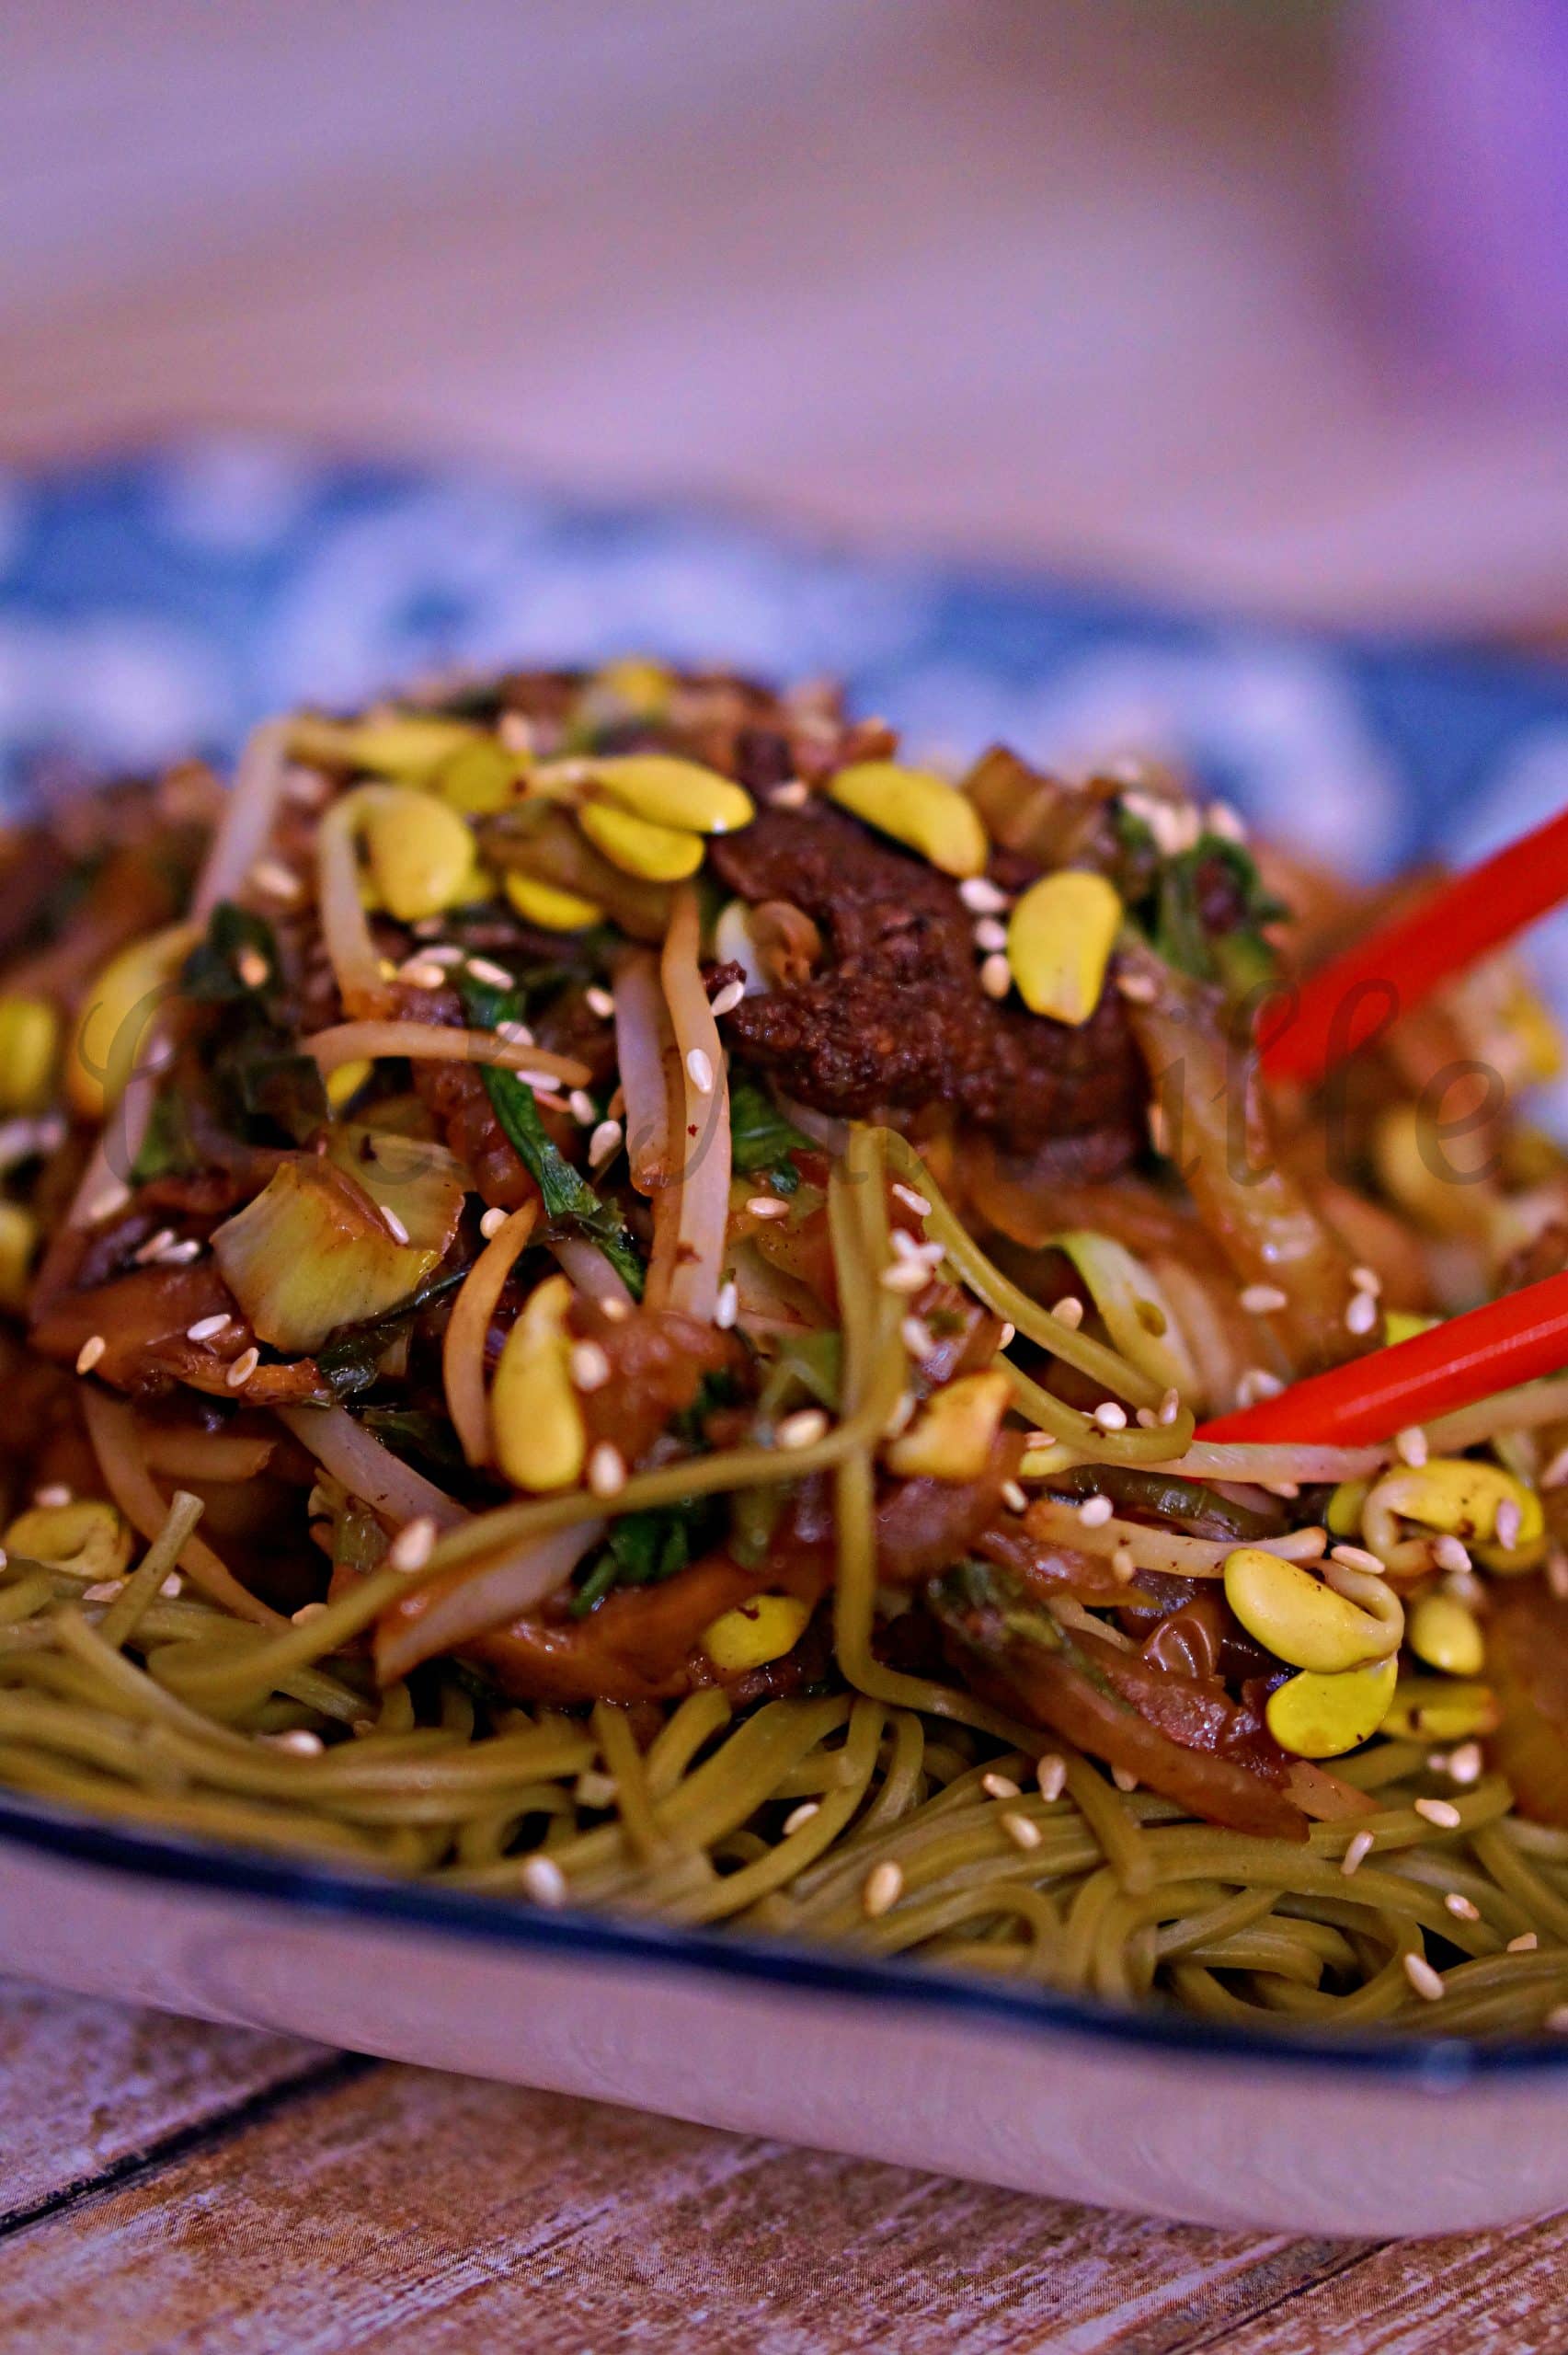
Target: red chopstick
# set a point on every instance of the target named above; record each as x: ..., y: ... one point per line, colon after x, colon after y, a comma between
x: 1513, y: 1339
x: 1349, y: 1001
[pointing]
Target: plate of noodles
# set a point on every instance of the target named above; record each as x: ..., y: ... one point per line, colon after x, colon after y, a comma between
x: 640, y: 1342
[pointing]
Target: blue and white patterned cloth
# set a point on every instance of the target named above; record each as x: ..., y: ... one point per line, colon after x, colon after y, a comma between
x: 159, y: 605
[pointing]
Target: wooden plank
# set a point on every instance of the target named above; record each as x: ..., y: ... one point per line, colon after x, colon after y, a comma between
x: 433, y: 2215
x: 1460, y: 2295
x: 89, y: 2086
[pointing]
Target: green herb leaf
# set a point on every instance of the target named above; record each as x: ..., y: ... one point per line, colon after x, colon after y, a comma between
x: 166, y: 1149
x: 644, y: 1548
x: 759, y: 1137
x: 349, y: 1359
x: 568, y: 1195
x: 211, y: 972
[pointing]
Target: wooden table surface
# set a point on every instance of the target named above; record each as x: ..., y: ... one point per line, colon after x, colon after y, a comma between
x: 167, y: 2187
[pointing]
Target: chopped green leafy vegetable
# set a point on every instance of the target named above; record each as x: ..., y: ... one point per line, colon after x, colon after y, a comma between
x: 167, y: 1149
x: 643, y: 1549
x: 568, y: 1198
x: 350, y: 1361
x: 760, y: 1138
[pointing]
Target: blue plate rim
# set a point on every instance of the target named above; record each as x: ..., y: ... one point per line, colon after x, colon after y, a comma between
x: 1434, y: 2063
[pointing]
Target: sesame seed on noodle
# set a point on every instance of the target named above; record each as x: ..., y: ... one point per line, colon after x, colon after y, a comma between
x: 1022, y: 1829
x: 803, y: 1429
x: 91, y: 1350
x: 544, y: 1881
x: 492, y: 1223
x: 1466, y: 1763
x: 1427, y: 1981
x: 1441, y: 1812
x: 881, y: 1888
x: 1050, y: 1772
x: 414, y: 1544
x: 1095, y: 1511
x: 1110, y: 1416
x: 1069, y: 1312
x: 1000, y: 1787
x: 1460, y: 1907
x: 1525, y: 1943
x: 1357, y: 1848
x: 921, y: 1207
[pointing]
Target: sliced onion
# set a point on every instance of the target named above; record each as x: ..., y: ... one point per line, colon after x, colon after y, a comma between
x: 248, y: 817
x: 470, y: 1600
x: 117, y: 1443
x: 705, y: 1156
x: 345, y: 928
x: 366, y: 1469
x: 463, y: 1350
x: 350, y: 1043
x: 590, y: 1271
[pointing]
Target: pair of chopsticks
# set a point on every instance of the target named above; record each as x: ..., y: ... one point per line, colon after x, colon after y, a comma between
x: 1342, y: 1008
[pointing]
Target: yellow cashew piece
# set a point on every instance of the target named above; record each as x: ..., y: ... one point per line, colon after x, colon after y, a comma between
x: 756, y: 1632
x: 1059, y: 942
x: 1322, y: 1717
x: 1303, y: 1620
x: 919, y: 809
x: 951, y: 1439
x: 540, y: 1437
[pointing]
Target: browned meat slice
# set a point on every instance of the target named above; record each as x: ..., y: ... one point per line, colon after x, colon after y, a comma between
x: 896, y: 1016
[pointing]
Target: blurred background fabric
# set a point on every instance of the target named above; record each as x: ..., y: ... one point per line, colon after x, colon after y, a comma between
x: 1252, y: 303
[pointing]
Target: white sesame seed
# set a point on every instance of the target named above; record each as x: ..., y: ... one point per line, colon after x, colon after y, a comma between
x: 153, y: 1247
x: 727, y: 1307
x: 244, y: 1366
x: 1139, y: 989
x: 486, y: 969
x: 1000, y: 1787
x: 1095, y: 1511
x: 905, y: 1276
x: 428, y: 928
x: 52, y: 1495
x: 598, y: 1001
x: 91, y: 1350
x: 803, y: 1429
x: 1466, y: 1763
x: 493, y: 1221
x: 1357, y: 1848
x: 1069, y: 1312
x: 989, y: 935
x: 881, y: 1888
x: 1123, y: 1566
x: 584, y: 1110
x: 1014, y: 1498
x: 1451, y: 1554
x: 106, y: 1202
x: 179, y: 1254
x: 1509, y: 1523
x: 1159, y: 1131
x: 1170, y: 1407
x: 445, y: 952
x: 307, y: 789
x: 297, y: 1742
x: 1007, y: 1336
x: 173, y: 1584
x: 604, y: 1143
x: 917, y: 1336
x: 252, y: 968
x: 206, y: 1329
x: 1442, y: 1812
x: 615, y: 1308
x: 421, y: 974
x: 1123, y: 1778
x: 1221, y: 820
x: 1050, y: 1772
x: 726, y: 1000
x: 104, y: 1592
x: 589, y: 1366
x: 799, y: 1817
x: 277, y: 881
x: 996, y: 976
x: 766, y: 1206
x: 1460, y: 1907
x: 595, y: 1789
x: 1146, y: 1419
x: 921, y: 1207
x: 414, y: 1544
x: 1525, y: 1943
x: 306, y: 1613
x: 1359, y: 1318
x: 793, y: 794
x: 981, y: 897
x: 394, y: 1224
x: 1410, y: 1446
x: 1356, y: 1557
x: 606, y: 1469
x: 517, y: 1034
x: 1022, y: 1829
x: 544, y: 1881
x: 1426, y: 1982
x: 1110, y: 1416
x: 1263, y: 1300
x: 1366, y: 1280
x: 1258, y: 1383
x: 903, y: 1409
